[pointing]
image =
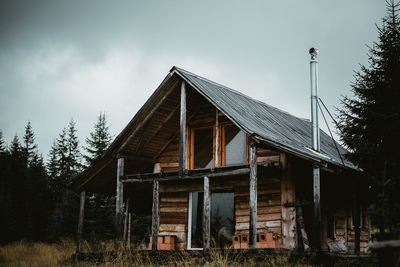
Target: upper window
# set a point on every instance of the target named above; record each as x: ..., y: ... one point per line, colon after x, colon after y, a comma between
x: 233, y: 145
x: 201, y: 148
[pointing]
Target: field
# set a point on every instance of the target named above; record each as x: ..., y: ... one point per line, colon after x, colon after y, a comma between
x: 60, y: 254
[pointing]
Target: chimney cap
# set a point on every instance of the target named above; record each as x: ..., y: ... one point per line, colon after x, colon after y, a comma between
x: 313, y: 52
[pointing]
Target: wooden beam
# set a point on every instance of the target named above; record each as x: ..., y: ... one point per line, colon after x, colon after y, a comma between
x: 183, y: 136
x: 177, y: 132
x: 156, y: 215
x: 253, y: 196
x: 129, y: 229
x: 126, y: 221
x: 206, y: 214
x: 288, y: 195
x: 356, y: 217
x: 80, y: 222
x: 119, y: 198
x: 317, y: 206
x: 210, y: 174
x: 216, y: 151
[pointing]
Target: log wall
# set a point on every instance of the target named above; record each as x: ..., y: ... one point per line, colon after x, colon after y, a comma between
x: 268, y: 207
x: 174, y: 215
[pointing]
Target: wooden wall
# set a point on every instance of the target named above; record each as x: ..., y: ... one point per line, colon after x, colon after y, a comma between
x: 268, y: 206
x: 174, y: 216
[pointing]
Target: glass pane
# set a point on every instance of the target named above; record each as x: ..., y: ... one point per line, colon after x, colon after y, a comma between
x: 235, y: 145
x: 203, y: 148
x: 222, y: 219
x: 197, y: 220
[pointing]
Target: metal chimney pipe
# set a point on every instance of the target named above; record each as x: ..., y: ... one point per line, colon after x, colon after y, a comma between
x: 314, y: 98
x: 316, y: 146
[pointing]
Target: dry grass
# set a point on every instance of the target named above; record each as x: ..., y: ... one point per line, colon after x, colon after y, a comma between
x: 36, y: 254
x: 40, y: 254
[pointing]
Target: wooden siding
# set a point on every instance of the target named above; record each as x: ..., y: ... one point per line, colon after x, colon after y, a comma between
x: 173, y: 216
x: 268, y: 207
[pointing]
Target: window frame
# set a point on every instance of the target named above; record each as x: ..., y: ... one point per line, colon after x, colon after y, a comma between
x: 222, y: 148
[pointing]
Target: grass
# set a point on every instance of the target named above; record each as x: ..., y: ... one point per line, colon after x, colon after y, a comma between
x: 59, y: 254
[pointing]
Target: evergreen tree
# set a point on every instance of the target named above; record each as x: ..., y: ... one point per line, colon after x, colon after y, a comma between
x: 100, y: 208
x: 29, y: 147
x: 99, y: 139
x: 2, y: 146
x: 370, y: 124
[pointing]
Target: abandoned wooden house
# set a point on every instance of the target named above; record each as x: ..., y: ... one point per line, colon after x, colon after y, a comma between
x: 217, y: 168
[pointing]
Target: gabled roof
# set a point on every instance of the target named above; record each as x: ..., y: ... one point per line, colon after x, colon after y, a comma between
x: 267, y: 123
x: 261, y: 121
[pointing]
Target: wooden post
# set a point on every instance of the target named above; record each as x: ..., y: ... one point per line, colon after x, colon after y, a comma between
x: 126, y: 220
x: 216, y: 152
x: 183, y: 136
x: 289, y: 231
x: 356, y: 217
x: 129, y: 229
x: 253, y: 196
x: 119, y: 198
x: 80, y: 222
x: 304, y: 237
x: 156, y: 215
x: 206, y: 214
x: 317, y: 206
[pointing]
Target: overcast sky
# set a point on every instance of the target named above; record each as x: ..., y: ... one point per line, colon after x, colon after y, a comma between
x: 72, y: 59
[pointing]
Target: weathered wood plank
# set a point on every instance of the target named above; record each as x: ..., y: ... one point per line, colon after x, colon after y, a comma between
x: 206, y: 214
x: 317, y: 206
x: 174, y: 199
x: 125, y: 236
x: 216, y: 143
x: 260, y: 218
x: 260, y: 225
x: 260, y: 210
x: 289, y: 231
x: 119, y: 197
x: 80, y: 222
x: 253, y: 196
x: 156, y: 215
x: 266, y: 203
x: 173, y: 209
x: 172, y: 227
x: 183, y: 136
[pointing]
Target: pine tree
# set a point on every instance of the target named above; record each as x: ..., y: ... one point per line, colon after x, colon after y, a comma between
x: 100, y: 208
x: 29, y: 147
x: 370, y: 124
x: 2, y: 146
x: 99, y: 139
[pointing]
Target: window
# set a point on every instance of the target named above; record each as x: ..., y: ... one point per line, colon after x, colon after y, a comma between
x: 221, y: 224
x: 234, y: 145
x: 201, y: 147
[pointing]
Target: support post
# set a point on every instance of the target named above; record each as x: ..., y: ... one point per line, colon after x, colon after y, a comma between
x: 206, y: 214
x: 253, y: 196
x: 183, y: 135
x: 129, y: 229
x: 317, y: 206
x: 80, y: 222
x: 356, y: 217
x: 126, y: 221
x: 119, y: 198
x: 216, y: 151
x: 288, y: 195
x: 156, y: 215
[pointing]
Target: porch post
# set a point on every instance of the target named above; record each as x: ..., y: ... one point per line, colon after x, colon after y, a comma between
x: 253, y: 196
x: 80, y: 222
x: 183, y: 136
x: 317, y: 206
x: 156, y: 215
x: 125, y: 237
x: 119, y: 198
x: 356, y: 217
x: 206, y: 214
x: 216, y: 151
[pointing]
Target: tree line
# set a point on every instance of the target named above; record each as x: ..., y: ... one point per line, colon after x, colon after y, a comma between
x: 36, y: 202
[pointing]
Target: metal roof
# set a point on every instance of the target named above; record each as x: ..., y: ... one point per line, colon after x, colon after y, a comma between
x: 267, y: 123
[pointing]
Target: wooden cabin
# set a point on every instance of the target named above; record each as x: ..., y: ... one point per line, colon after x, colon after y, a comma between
x: 216, y: 168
